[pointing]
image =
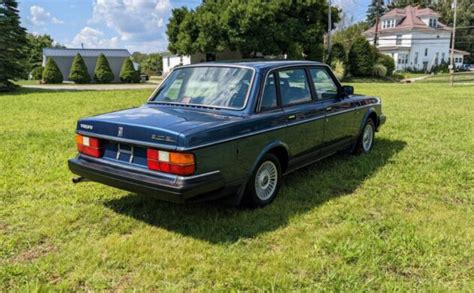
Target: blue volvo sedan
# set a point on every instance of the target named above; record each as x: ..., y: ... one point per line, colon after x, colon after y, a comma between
x: 226, y: 130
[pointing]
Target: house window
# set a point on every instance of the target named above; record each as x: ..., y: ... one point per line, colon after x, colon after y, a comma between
x: 442, y: 57
x: 426, y: 52
x: 402, y: 59
x: 436, y: 58
x: 181, y: 60
x: 168, y: 61
x: 416, y: 58
x: 399, y: 40
x: 433, y: 22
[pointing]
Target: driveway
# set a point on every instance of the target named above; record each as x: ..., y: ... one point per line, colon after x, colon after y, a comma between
x: 92, y: 87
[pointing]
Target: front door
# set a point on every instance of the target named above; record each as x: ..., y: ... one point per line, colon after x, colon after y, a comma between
x: 339, y: 112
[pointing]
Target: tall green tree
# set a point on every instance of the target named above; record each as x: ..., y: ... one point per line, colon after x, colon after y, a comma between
x: 51, y: 73
x: 294, y: 28
x: 128, y: 73
x: 375, y: 9
x: 102, y: 72
x: 12, y: 45
x: 347, y: 36
x: 362, y: 57
x: 152, y: 64
x: 79, y: 73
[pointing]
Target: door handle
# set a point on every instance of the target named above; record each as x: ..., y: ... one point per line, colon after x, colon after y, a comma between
x: 328, y: 109
x: 291, y: 117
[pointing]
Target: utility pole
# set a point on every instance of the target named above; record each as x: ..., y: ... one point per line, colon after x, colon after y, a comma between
x: 377, y: 16
x: 329, y: 29
x: 453, y: 38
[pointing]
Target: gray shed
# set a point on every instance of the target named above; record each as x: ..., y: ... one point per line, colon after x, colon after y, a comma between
x: 64, y: 58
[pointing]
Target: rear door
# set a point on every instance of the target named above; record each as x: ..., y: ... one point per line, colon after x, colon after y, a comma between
x: 339, y: 112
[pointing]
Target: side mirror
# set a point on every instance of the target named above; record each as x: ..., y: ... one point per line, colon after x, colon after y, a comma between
x: 348, y: 90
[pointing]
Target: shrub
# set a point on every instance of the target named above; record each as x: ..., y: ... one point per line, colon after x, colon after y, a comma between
x: 102, y: 72
x: 78, y: 72
x: 128, y: 74
x: 37, y: 73
x: 361, y: 58
x: 338, y: 53
x: 442, y: 68
x: 339, y: 69
x: 379, y: 70
x: 388, y: 62
x: 51, y: 73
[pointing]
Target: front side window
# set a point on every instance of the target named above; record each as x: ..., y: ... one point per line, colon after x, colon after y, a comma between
x: 269, y: 97
x: 399, y: 40
x: 323, y: 83
x: 212, y: 86
x: 294, y: 87
x: 426, y: 52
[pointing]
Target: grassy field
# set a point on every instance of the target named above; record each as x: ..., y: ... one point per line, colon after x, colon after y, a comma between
x: 400, y: 218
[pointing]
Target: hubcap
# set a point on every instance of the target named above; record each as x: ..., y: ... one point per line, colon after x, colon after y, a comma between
x: 266, y: 180
x: 367, y: 137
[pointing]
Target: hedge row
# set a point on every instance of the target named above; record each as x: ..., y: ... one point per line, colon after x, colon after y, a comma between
x: 80, y: 74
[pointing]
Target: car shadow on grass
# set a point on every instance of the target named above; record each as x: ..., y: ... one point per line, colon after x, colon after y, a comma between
x: 302, y: 191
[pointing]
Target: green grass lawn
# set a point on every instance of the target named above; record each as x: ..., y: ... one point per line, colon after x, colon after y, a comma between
x: 400, y: 218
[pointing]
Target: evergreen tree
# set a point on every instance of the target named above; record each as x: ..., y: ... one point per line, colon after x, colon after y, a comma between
x: 12, y: 45
x: 362, y: 57
x: 102, y: 72
x: 128, y: 74
x: 338, y: 53
x: 51, y: 73
x: 78, y: 72
x: 372, y: 11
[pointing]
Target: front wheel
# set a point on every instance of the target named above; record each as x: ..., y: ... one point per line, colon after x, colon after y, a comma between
x: 265, y: 181
x: 365, y: 143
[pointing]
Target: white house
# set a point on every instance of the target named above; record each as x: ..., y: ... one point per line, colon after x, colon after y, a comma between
x: 415, y: 39
x: 170, y: 61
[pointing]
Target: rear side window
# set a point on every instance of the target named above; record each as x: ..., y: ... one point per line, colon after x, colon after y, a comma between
x: 323, y: 83
x: 269, y: 98
x: 294, y: 87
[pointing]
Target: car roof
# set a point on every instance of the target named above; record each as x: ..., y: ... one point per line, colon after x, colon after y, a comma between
x: 258, y: 64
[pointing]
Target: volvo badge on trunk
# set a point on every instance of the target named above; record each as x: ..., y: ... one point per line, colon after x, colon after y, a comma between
x: 120, y: 131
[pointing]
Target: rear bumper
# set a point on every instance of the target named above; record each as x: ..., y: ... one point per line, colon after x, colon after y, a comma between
x: 163, y: 186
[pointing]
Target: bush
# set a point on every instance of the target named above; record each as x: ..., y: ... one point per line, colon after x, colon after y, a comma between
x: 128, y: 74
x: 339, y: 69
x: 388, y: 62
x: 379, y: 70
x: 78, y: 72
x: 37, y: 73
x: 361, y: 58
x: 102, y: 72
x: 51, y: 73
x: 338, y: 53
x: 442, y: 68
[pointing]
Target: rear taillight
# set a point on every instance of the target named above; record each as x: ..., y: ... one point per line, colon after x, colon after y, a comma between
x: 89, y: 146
x: 171, y: 162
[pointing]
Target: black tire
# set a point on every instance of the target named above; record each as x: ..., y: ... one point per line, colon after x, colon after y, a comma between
x: 361, y: 146
x: 254, y: 197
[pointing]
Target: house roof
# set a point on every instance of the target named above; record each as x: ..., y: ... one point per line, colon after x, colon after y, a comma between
x: 410, y: 19
x: 48, y: 52
x: 456, y: 51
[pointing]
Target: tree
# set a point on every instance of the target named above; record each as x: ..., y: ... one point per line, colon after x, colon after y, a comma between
x: 37, y: 73
x: 347, y: 36
x: 79, y: 73
x: 388, y: 62
x: 12, y: 45
x: 102, y: 72
x: 373, y: 11
x: 362, y: 58
x: 51, y: 73
x: 152, y: 64
x: 128, y: 74
x: 294, y: 28
x: 338, y: 53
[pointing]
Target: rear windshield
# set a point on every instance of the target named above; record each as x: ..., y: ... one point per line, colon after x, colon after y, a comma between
x: 213, y: 86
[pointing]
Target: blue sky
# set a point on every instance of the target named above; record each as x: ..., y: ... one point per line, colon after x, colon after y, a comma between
x: 137, y: 25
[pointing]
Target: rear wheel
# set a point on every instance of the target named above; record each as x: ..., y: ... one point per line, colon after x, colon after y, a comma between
x: 265, y: 181
x: 365, y: 143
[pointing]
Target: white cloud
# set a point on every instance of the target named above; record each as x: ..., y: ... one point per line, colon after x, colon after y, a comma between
x: 92, y: 38
x: 134, y: 20
x: 39, y: 16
